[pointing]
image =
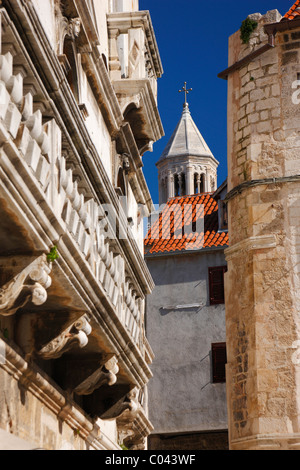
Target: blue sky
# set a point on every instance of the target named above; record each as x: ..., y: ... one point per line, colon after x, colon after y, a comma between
x: 192, y: 37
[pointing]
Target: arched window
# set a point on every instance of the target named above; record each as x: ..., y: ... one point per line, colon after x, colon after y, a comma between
x: 121, y: 181
x: 202, y: 186
x: 176, y: 186
x: 199, y: 183
x: 164, y: 189
x: 182, y: 185
x: 72, y: 75
x: 196, y: 186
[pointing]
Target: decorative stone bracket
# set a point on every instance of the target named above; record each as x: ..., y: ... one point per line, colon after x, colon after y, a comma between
x: 30, y: 284
x: 76, y: 334
x: 133, y: 424
x: 128, y: 403
x: 107, y: 374
x: 67, y: 27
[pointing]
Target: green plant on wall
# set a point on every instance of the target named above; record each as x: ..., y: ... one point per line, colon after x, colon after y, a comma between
x: 247, y: 28
x: 52, y: 255
x: 123, y: 447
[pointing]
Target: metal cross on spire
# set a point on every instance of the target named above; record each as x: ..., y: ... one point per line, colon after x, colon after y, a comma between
x: 186, y: 92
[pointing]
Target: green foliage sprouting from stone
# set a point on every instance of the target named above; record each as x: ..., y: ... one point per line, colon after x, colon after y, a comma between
x: 123, y: 447
x: 247, y: 28
x: 52, y: 255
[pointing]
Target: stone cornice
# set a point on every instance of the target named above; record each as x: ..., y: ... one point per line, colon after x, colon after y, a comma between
x: 277, y: 441
x: 87, y: 21
x: 139, y: 19
x: 251, y: 244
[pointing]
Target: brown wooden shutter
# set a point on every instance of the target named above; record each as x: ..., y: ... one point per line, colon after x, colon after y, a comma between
x: 219, y: 360
x: 216, y: 285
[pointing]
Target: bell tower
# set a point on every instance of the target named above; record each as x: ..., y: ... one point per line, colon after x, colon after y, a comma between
x: 187, y: 165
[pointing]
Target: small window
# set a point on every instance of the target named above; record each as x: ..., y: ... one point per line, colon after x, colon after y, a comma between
x: 223, y: 215
x: 219, y: 360
x: 216, y: 285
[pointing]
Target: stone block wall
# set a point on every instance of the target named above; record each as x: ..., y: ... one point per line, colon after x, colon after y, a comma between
x: 263, y: 312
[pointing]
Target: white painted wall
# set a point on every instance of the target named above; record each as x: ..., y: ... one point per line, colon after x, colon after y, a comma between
x: 124, y: 5
x: 101, y: 10
x: 137, y: 228
x: 45, y: 11
x: 98, y: 130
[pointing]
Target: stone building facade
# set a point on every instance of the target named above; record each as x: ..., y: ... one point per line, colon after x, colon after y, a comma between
x: 185, y: 314
x: 78, y: 86
x: 262, y: 282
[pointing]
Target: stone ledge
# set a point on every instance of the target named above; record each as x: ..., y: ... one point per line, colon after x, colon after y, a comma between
x: 267, y: 442
x: 251, y: 244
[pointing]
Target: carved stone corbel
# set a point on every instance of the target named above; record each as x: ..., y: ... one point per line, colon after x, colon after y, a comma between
x: 133, y: 443
x: 126, y: 162
x: 129, y: 402
x: 74, y: 26
x: 107, y: 374
x: 134, y: 425
x: 30, y: 284
x: 76, y: 334
x: 66, y: 28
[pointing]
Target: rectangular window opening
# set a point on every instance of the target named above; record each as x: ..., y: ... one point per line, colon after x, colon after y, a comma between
x: 219, y: 361
x: 216, y: 285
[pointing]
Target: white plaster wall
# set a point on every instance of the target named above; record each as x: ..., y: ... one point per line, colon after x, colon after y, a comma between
x: 182, y: 397
x: 98, y: 131
x: 124, y: 5
x: 137, y: 228
x: 123, y: 54
x: 45, y: 12
x: 101, y: 10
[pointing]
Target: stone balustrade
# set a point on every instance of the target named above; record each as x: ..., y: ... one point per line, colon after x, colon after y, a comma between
x: 40, y: 146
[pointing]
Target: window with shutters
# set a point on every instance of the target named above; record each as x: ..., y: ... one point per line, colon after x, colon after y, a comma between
x: 216, y: 285
x: 219, y: 360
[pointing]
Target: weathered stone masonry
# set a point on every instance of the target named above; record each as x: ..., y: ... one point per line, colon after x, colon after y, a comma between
x: 262, y: 314
x: 74, y: 362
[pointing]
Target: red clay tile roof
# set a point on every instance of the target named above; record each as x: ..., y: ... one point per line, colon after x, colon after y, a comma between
x: 179, y: 226
x: 293, y: 12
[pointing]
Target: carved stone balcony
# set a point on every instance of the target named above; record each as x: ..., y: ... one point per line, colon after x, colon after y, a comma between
x: 85, y: 308
x: 138, y: 103
x: 135, y: 66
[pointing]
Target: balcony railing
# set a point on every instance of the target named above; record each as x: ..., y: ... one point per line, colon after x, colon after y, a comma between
x: 39, y: 152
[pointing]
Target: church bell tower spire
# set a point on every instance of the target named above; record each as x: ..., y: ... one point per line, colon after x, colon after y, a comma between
x: 187, y: 165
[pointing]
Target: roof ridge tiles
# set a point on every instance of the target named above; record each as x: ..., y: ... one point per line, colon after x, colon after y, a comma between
x: 166, y: 230
x: 293, y: 12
